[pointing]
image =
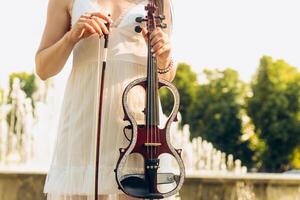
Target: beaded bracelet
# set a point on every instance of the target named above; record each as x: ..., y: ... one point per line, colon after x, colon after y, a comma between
x: 166, y: 70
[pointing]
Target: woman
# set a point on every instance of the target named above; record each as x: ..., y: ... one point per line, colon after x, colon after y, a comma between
x: 75, y: 25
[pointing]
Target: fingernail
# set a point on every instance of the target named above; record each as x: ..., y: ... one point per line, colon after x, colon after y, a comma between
x: 153, y: 55
x: 152, y: 50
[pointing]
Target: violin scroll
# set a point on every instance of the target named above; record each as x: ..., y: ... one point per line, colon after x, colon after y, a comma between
x: 157, y: 21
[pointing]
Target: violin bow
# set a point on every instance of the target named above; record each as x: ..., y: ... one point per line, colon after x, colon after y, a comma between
x: 100, y: 110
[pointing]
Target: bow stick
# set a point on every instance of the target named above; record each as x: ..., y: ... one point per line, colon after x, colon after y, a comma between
x: 100, y: 111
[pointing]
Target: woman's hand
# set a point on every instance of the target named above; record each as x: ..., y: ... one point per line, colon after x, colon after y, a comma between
x: 89, y: 24
x: 161, y: 46
x: 58, y: 39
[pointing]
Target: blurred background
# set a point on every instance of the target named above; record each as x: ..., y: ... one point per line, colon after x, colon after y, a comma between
x: 239, y: 82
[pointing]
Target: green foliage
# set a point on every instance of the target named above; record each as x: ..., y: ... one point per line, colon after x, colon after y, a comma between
x: 218, y: 111
x: 186, y: 83
x: 274, y: 109
x: 216, y: 114
x: 295, y: 158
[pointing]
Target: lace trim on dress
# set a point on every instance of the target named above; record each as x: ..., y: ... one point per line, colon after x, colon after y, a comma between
x: 119, y: 19
x: 125, y: 11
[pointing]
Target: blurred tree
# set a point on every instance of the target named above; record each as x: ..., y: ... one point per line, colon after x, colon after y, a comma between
x: 216, y: 115
x: 274, y: 108
x: 186, y: 83
x: 295, y: 158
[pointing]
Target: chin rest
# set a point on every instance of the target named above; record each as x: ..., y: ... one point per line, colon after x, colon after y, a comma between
x: 135, y: 184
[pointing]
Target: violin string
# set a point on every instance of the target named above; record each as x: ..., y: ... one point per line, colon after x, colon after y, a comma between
x: 155, y: 106
x: 155, y: 90
x: 152, y: 89
x: 152, y: 95
x: 155, y: 93
x: 147, y: 103
x: 151, y: 103
x: 153, y: 85
x: 147, y: 117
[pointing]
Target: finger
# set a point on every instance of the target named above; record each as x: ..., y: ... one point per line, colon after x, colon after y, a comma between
x: 157, y: 46
x: 95, y: 25
x: 157, y: 32
x: 102, y: 16
x: 83, y: 18
x: 145, y: 33
x: 101, y: 25
x: 158, y: 39
x: 155, y: 37
x: 86, y: 15
x: 88, y: 27
x: 162, y: 50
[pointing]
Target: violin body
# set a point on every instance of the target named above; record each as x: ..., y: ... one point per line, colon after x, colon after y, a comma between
x: 148, y: 139
x: 137, y: 145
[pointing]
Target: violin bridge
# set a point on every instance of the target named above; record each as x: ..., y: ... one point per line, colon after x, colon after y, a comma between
x: 152, y: 144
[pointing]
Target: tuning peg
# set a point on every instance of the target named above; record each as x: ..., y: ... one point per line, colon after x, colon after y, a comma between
x: 161, y: 17
x: 138, y: 29
x: 140, y: 19
x: 162, y: 25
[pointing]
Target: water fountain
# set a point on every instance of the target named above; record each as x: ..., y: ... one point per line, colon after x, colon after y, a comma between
x: 16, y: 136
x: 22, y: 139
x: 26, y: 144
x: 200, y: 156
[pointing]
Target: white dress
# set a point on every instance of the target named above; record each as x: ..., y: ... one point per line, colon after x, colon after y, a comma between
x: 71, y: 175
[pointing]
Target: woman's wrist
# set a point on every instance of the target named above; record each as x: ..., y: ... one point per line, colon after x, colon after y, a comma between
x: 163, y: 63
x: 166, y: 66
x: 69, y: 39
x: 166, y: 69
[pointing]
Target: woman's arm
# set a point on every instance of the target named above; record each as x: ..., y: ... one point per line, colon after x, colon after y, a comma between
x: 55, y: 46
x: 58, y: 39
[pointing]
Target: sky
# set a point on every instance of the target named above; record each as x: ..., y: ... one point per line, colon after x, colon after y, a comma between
x: 207, y: 34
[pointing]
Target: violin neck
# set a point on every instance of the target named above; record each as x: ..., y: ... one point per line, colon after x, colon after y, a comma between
x: 152, y: 100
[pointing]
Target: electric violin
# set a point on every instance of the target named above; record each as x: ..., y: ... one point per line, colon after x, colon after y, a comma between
x: 149, y: 140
